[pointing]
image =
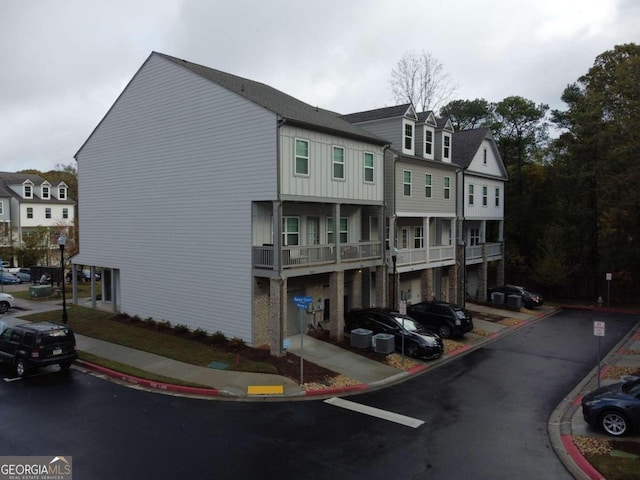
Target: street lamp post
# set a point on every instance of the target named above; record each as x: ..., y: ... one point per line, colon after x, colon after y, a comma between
x: 394, y: 258
x: 61, y: 243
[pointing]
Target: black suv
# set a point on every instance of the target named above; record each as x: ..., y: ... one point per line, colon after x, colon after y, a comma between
x: 446, y: 319
x: 417, y: 341
x: 32, y: 345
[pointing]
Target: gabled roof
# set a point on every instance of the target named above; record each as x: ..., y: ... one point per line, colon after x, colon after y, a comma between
x: 9, y: 178
x: 444, y: 123
x: 428, y: 117
x: 292, y: 110
x: 467, y: 143
x: 404, y: 110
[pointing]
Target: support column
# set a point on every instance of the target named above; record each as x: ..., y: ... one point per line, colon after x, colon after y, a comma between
x: 381, y: 286
x: 482, y: 275
x: 426, y: 285
x: 277, y: 287
x: 336, y: 302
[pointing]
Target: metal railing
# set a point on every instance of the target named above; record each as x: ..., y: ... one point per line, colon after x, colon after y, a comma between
x: 308, y: 255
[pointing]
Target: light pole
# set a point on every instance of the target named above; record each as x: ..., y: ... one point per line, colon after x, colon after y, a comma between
x: 394, y: 258
x: 61, y: 243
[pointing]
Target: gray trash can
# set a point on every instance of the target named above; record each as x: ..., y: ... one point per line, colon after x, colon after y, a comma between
x: 497, y: 298
x: 514, y: 302
x: 361, y: 338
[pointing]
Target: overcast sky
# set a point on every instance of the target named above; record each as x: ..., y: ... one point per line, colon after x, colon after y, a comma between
x: 64, y: 62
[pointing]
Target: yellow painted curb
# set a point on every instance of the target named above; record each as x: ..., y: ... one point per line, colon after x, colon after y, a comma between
x: 265, y: 389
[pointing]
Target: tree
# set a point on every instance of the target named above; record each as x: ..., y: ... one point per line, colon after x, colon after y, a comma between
x: 419, y: 79
x: 468, y: 114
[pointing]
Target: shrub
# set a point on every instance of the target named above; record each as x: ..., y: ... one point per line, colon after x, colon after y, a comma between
x: 164, y: 325
x: 237, y: 343
x: 199, y: 333
x: 218, y: 338
x: 181, y: 329
x: 151, y: 323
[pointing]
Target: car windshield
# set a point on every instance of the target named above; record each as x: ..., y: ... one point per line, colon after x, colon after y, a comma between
x: 629, y: 386
x: 459, y: 314
x: 407, y: 323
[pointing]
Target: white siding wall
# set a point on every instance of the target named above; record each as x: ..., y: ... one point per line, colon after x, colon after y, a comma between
x: 39, y: 215
x: 478, y: 210
x: 491, y: 166
x: 166, y: 183
x: 320, y: 181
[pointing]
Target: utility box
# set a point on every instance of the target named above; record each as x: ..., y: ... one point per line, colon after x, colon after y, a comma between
x: 361, y: 338
x: 514, y: 302
x: 40, y: 291
x: 383, y: 343
x: 497, y: 298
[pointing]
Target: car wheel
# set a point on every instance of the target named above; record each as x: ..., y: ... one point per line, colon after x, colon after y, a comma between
x: 614, y: 423
x: 4, y: 306
x: 21, y: 368
x: 445, y: 331
x: 65, y: 365
x: 411, y: 350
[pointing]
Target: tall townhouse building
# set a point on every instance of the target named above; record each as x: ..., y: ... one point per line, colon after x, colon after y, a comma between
x: 29, y: 202
x: 481, y: 203
x: 214, y: 201
x: 420, y: 194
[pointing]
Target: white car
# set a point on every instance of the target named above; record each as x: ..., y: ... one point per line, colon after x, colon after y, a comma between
x: 8, y: 269
x: 6, y: 302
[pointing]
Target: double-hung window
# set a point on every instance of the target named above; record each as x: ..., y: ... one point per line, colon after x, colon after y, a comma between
x: 28, y: 191
x: 485, y: 195
x: 302, y: 157
x: 368, y: 167
x: 344, y: 230
x: 497, y: 196
x: 62, y: 193
x: 418, y: 237
x: 446, y: 152
x: 427, y: 185
x: 45, y: 193
x: 406, y: 183
x: 338, y: 163
x: 474, y: 236
x: 65, y: 213
x: 471, y: 194
x: 290, y: 231
x: 428, y: 142
x: 47, y: 213
x: 29, y: 212
x: 408, y: 137
x: 447, y: 188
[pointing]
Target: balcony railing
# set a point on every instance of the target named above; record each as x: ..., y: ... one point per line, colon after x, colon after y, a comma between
x: 308, y: 255
x: 475, y: 253
x: 416, y: 256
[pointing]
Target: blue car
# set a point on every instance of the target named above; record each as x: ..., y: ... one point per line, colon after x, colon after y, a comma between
x: 614, y: 408
x: 8, y: 278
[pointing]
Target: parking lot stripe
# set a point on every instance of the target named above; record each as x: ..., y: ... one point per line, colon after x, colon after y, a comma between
x: 375, y: 412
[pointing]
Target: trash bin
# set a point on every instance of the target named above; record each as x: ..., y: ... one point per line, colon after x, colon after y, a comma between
x: 361, y: 338
x: 383, y: 343
x: 40, y: 291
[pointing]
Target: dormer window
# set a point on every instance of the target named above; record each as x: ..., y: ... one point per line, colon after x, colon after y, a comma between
x: 408, y: 145
x: 62, y: 193
x: 446, y: 148
x: 428, y: 142
x: 46, y: 194
x: 28, y: 191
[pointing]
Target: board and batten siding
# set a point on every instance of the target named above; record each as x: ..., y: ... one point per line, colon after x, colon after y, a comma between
x: 491, y: 167
x: 166, y: 183
x: 477, y: 210
x: 320, y: 182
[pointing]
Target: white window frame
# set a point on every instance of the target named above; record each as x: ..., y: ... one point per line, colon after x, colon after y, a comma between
x: 408, y: 136
x: 29, y: 212
x: 369, y: 168
x: 301, y: 157
x: 62, y: 193
x: 428, y: 132
x: 447, y: 188
x: 497, y: 196
x: 446, y: 146
x: 484, y: 158
x: 428, y: 185
x: 65, y: 212
x: 471, y: 194
x: 418, y: 237
x: 46, y: 192
x: 485, y: 196
x: 406, y: 185
x: 1, y: 207
x: 336, y: 163
x: 27, y: 191
x: 47, y: 213
x: 286, y: 233
x: 474, y: 236
x: 404, y: 238
x: 344, y: 230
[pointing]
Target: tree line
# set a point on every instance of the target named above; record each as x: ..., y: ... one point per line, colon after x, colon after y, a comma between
x: 572, y: 210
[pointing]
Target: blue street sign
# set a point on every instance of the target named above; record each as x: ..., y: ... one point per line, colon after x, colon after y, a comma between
x: 301, y: 299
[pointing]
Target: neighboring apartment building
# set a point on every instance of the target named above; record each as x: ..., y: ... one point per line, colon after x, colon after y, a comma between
x: 480, y: 210
x: 420, y: 194
x: 27, y: 202
x: 212, y: 201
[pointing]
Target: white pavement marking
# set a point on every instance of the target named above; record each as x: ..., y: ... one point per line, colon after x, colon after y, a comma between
x: 375, y: 412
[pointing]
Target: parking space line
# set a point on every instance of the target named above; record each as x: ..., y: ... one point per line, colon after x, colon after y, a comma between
x: 375, y: 412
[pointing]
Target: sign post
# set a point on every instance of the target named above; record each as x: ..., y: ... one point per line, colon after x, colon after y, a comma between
x: 598, y: 331
x: 609, y: 277
x: 302, y: 303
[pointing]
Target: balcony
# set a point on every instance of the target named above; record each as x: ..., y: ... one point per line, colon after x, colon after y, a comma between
x: 422, y: 256
x: 312, y: 255
x: 475, y: 253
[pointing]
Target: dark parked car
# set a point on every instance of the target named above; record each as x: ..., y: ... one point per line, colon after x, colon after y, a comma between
x: 418, y: 342
x: 614, y: 408
x: 529, y: 299
x: 32, y: 345
x: 446, y: 319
